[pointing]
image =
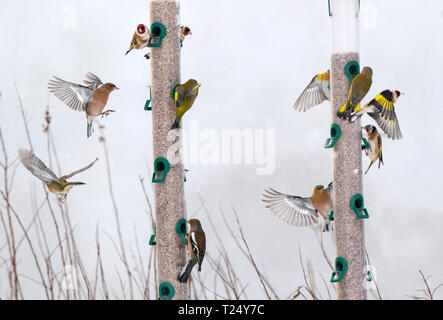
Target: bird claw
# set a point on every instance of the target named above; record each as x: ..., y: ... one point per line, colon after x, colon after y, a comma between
x: 147, y: 56
x: 106, y: 113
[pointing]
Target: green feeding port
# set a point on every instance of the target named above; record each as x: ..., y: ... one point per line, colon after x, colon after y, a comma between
x: 352, y: 69
x: 369, y: 276
x: 158, y: 32
x: 166, y: 291
x: 357, y: 205
x: 173, y: 91
x: 152, y: 239
x: 341, y: 266
x: 148, y: 101
x: 335, y: 135
x: 161, y: 169
x: 331, y: 215
x: 180, y: 228
x: 365, y: 144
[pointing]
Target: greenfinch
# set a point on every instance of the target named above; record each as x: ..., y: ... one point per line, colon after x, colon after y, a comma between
x: 185, y: 95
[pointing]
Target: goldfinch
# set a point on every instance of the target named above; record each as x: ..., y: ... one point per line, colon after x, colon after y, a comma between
x: 184, y: 97
x: 381, y: 109
x: 374, y: 146
x: 58, y: 186
x: 317, y: 91
x: 140, y: 39
x: 196, y: 248
x: 184, y: 31
x: 359, y: 88
x: 301, y: 212
x: 91, y: 98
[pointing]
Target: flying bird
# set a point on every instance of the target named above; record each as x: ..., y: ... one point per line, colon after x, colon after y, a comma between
x: 359, y: 88
x: 184, y: 97
x: 373, y: 151
x: 301, y: 212
x: 90, y: 98
x: 58, y: 186
x: 317, y: 91
x: 184, y: 31
x: 381, y: 109
x: 140, y: 39
x: 196, y: 248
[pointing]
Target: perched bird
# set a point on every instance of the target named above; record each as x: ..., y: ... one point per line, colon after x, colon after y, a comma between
x: 184, y: 97
x: 373, y: 151
x: 184, y: 31
x: 140, y: 39
x: 58, y: 186
x: 317, y: 91
x: 196, y: 248
x: 301, y: 212
x: 91, y: 98
x: 381, y: 109
x: 359, y: 88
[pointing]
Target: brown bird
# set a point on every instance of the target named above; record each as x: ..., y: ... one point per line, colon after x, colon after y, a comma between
x: 58, y: 186
x: 373, y: 151
x: 140, y: 39
x: 91, y: 98
x: 301, y: 212
x: 196, y: 248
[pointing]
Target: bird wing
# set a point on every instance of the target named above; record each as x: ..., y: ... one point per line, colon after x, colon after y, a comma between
x: 296, y: 211
x: 79, y: 170
x: 330, y: 189
x: 36, y: 166
x: 198, y: 252
x: 73, y: 95
x: 359, y: 88
x: 384, y: 114
x: 312, y: 95
x: 92, y: 81
x: 180, y: 95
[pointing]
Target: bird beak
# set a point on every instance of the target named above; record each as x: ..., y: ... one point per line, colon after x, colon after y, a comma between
x: 116, y: 88
x: 189, y: 32
x: 198, y: 86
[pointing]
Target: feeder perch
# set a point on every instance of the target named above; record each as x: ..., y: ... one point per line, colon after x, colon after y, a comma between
x: 369, y: 276
x: 173, y: 91
x: 331, y: 215
x: 166, y: 291
x: 352, y: 69
x: 148, y: 101
x: 341, y: 266
x: 158, y: 31
x: 152, y: 239
x: 180, y: 228
x: 357, y: 204
x: 161, y: 169
x: 335, y: 135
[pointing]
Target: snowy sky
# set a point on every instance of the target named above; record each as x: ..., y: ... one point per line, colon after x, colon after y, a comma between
x: 253, y: 58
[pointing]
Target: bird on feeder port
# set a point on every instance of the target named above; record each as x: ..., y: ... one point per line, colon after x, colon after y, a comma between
x: 196, y: 249
x: 381, y: 109
x: 359, y: 88
x: 90, y: 98
x: 373, y: 151
x: 184, y: 96
x: 58, y: 186
x: 184, y: 31
x: 317, y: 91
x: 299, y: 211
x: 140, y: 39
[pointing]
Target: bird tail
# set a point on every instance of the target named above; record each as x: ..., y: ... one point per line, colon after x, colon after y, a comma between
x: 76, y: 183
x: 176, y: 124
x: 89, y: 128
x: 369, y: 166
x: 130, y: 49
x: 184, y: 274
x: 328, y: 226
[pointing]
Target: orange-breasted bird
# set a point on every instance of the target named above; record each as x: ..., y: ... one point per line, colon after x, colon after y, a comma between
x: 91, y: 98
x: 301, y: 212
x: 373, y: 151
x: 381, y: 109
x: 58, y: 186
x: 140, y: 39
x: 317, y: 91
x: 359, y: 88
x: 196, y: 248
x: 184, y: 31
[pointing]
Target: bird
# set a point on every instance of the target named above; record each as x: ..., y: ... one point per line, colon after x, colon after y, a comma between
x: 373, y: 151
x: 185, y: 95
x: 196, y: 248
x: 140, y: 39
x: 299, y: 211
x: 317, y: 91
x: 90, y: 98
x: 184, y: 31
x: 57, y: 185
x: 381, y: 109
x: 359, y: 88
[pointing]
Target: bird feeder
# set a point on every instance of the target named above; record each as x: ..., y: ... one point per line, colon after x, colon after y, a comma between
x: 331, y: 215
x: 180, y: 228
x: 152, y: 239
x: 158, y: 32
x: 166, y: 291
x: 352, y: 69
x: 365, y: 144
x: 148, y: 101
x: 335, y: 135
x: 341, y: 266
x: 173, y: 91
x: 161, y: 169
x: 357, y: 205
